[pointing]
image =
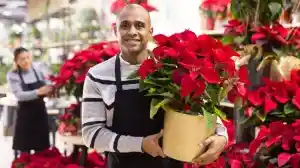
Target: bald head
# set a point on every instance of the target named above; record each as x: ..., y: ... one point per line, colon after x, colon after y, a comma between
x: 134, y: 8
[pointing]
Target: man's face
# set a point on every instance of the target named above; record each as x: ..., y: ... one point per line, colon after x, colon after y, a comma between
x: 133, y: 30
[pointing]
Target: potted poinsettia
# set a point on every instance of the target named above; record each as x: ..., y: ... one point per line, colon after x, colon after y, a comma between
x: 189, y: 76
x: 274, y: 101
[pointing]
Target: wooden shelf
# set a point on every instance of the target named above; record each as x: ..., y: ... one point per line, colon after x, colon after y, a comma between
x: 213, y: 32
x: 291, y: 25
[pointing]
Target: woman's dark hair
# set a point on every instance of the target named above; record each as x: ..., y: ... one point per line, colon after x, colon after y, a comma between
x: 17, y: 52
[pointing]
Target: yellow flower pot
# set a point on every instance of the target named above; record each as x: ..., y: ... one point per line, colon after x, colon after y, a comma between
x: 183, y: 133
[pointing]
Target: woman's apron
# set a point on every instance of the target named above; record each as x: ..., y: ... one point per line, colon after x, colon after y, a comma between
x: 131, y: 117
x: 32, y: 129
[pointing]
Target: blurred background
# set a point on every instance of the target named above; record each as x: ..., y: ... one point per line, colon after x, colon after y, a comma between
x: 53, y: 30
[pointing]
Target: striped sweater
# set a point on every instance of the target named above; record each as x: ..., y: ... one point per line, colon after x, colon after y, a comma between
x: 98, y: 108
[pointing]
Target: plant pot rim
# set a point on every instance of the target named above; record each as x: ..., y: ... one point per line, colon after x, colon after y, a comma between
x: 168, y: 108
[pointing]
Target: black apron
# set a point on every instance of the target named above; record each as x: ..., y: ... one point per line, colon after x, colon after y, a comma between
x: 131, y: 117
x: 32, y: 129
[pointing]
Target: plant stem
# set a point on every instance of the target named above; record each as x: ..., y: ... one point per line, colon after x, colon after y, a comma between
x: 257, y: 13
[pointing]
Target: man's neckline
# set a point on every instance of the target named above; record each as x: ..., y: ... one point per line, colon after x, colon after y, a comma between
x: 126, y: 62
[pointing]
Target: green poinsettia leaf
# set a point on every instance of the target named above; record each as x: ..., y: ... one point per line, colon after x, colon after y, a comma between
x: 239, y: 39
x: 261, y: 117
x: 278, y: 52
x: 165, y: 95
x: 227, y: 40
x: 133, y: 75
x: 220, y: 113
x: 170, y: 65
x: 144, y: 86
x: 153, y: 109
x: 163, y: 79
x: 163, y: 103
x: 289, y: 109
x: 212, y: 90
x: 234, y: 10
x: 275, y: 9
x: 250, y: 121
x: 209, y: 118
x: 276, y: 113
x: 152, y: 90
x: 156, y: 105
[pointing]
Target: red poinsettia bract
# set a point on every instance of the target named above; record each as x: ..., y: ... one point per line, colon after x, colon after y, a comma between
x: 275, y: 33
x: 235, y: 27
x: 215, y: 5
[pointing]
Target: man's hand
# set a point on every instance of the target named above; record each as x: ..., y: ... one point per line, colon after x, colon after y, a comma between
x: 151, y: 146
x: 215, y: 146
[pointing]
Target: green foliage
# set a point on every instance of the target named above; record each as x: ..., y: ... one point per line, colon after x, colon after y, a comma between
x: 262, y: 11
x: 3, y: 71
x: 55, y: 68
x: 285, y: 112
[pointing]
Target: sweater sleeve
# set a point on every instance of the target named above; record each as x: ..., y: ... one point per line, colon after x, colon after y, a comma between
x: 221, y: 129
x: 94, y: 130
x: 15, y: 85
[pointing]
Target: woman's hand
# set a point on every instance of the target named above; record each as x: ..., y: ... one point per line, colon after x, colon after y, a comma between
x: 45, y: 90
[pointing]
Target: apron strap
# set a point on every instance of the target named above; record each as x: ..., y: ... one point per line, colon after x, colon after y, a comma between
x: 36, y: 75
x: 118, y: 73
x: 21, y: 77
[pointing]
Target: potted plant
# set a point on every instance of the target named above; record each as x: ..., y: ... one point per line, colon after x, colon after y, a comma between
x: 189, y: 76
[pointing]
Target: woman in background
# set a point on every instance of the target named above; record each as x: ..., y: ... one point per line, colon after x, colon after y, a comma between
x: 29, y: 85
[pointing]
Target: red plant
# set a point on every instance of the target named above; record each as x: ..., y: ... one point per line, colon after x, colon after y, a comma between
x: 51, y: 158
x: 215, y: 5
x: 73, y: 72
x: 235, y: 27
x: 275, y: 100
x: 271, y: 38
x: 68, y: 122
x: 267, y: 33
x: 279, y: 141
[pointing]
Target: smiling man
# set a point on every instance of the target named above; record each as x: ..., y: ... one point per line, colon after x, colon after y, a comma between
x: 115, y: 115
